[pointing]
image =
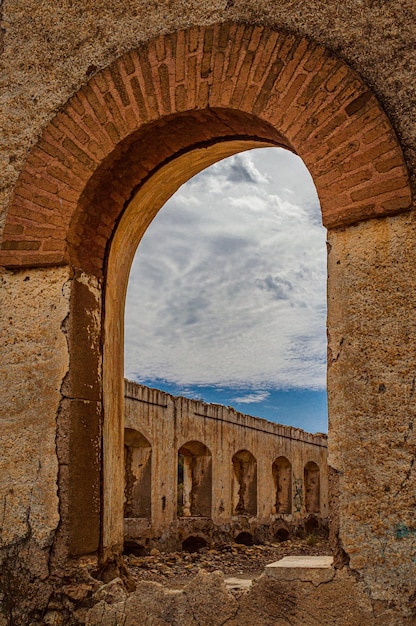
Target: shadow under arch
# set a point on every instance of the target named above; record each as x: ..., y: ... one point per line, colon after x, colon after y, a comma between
x: 138, y: 474
x: 244, y: 484
x: 195, y: 487
x: 311, y: 474
x: 282, y: 477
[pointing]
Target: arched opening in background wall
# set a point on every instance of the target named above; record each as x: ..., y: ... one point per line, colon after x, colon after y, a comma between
x: 244, y: 483
x: 194, y: 480
x: 282, y: 477
x: 312, y: 488
x: 138, y: 475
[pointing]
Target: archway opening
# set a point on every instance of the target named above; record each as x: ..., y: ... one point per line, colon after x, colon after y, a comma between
x: 245, y: 539
x: 244, y: 484
x: 282, y: 476
x: 194, y: 480
x: 231, y: 280
x: 194, y: 543
x: 138, y: 475
x: 282, y: 534
x: 312, y: 488
x: 211, y: 135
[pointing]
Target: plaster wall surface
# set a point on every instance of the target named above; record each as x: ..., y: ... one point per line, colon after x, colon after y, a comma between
x: 169, y: 422
x: 31, y: 381
x: 33, y: 308
x: 372, y: 416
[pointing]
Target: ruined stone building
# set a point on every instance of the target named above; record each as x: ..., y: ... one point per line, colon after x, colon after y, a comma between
x: 204, y: 472
x: 107, y: 107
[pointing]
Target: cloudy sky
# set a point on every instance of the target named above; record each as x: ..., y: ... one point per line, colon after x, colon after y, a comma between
x: 226, y: 299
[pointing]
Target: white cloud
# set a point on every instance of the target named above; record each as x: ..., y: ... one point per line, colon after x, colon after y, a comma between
x: 228, y: 285
x: 252, y: 398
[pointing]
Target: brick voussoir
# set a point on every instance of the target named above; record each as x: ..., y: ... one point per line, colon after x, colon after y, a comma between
x: 66, y: 197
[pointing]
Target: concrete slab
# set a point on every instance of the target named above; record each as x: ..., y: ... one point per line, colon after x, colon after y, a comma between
x: 314, y: 569
x: 241, y: 584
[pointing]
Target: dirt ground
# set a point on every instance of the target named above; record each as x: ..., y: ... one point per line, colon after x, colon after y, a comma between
x: 175, y: 569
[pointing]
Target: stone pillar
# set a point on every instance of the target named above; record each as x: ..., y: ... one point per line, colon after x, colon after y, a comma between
x: 264, y: 483
x: 372, y: 400
x: 34, y: 360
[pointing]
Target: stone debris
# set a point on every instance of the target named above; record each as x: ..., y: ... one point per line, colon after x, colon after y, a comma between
x: 175, y: 569
x: 238, y: 584
x: 207, y: 600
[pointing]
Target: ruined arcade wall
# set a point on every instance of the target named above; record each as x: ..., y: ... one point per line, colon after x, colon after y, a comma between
x: 168, y: 423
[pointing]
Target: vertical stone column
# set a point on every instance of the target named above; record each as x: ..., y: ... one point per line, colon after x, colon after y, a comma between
x: 83, y: 416
x: 164, y: 485
x: 282, y: 486
x: 298, y: 487
x: 264, y: 484
x: 372, y: 400
x: 34, y: 361
x: 221, y: 478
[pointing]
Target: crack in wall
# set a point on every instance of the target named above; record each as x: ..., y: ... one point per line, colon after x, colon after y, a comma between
x: 29, y: 508
x: 3, y: 516
x: 408, y: 433
x: 407, y: 476
x: 2, y: 30
x: 332, y: 359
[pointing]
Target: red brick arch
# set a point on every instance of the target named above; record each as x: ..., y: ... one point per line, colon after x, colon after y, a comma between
x: 189, y: 89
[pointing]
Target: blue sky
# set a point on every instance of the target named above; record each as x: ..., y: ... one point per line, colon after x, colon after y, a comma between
x: 227, y: 292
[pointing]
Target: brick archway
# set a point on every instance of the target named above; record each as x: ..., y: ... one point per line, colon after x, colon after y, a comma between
x: 192, y: 88
x: 161, y: 113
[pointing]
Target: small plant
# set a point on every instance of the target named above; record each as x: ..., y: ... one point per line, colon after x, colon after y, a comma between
x: 312, y: 539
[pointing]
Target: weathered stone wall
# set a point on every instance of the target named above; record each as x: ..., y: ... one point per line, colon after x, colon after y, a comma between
x: 372, y: 444
x: 51, y: 422
x: 33, y: 308
x: 169, y: 423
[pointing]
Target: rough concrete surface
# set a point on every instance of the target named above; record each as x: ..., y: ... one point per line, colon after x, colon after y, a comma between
x: 39, y: 301
x: 371, y: 325
x: 34, y: 304
x: 314, y: 569
x: 205, y: 600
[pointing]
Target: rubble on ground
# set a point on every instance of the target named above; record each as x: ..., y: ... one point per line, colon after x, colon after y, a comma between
x: 175, y: 569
